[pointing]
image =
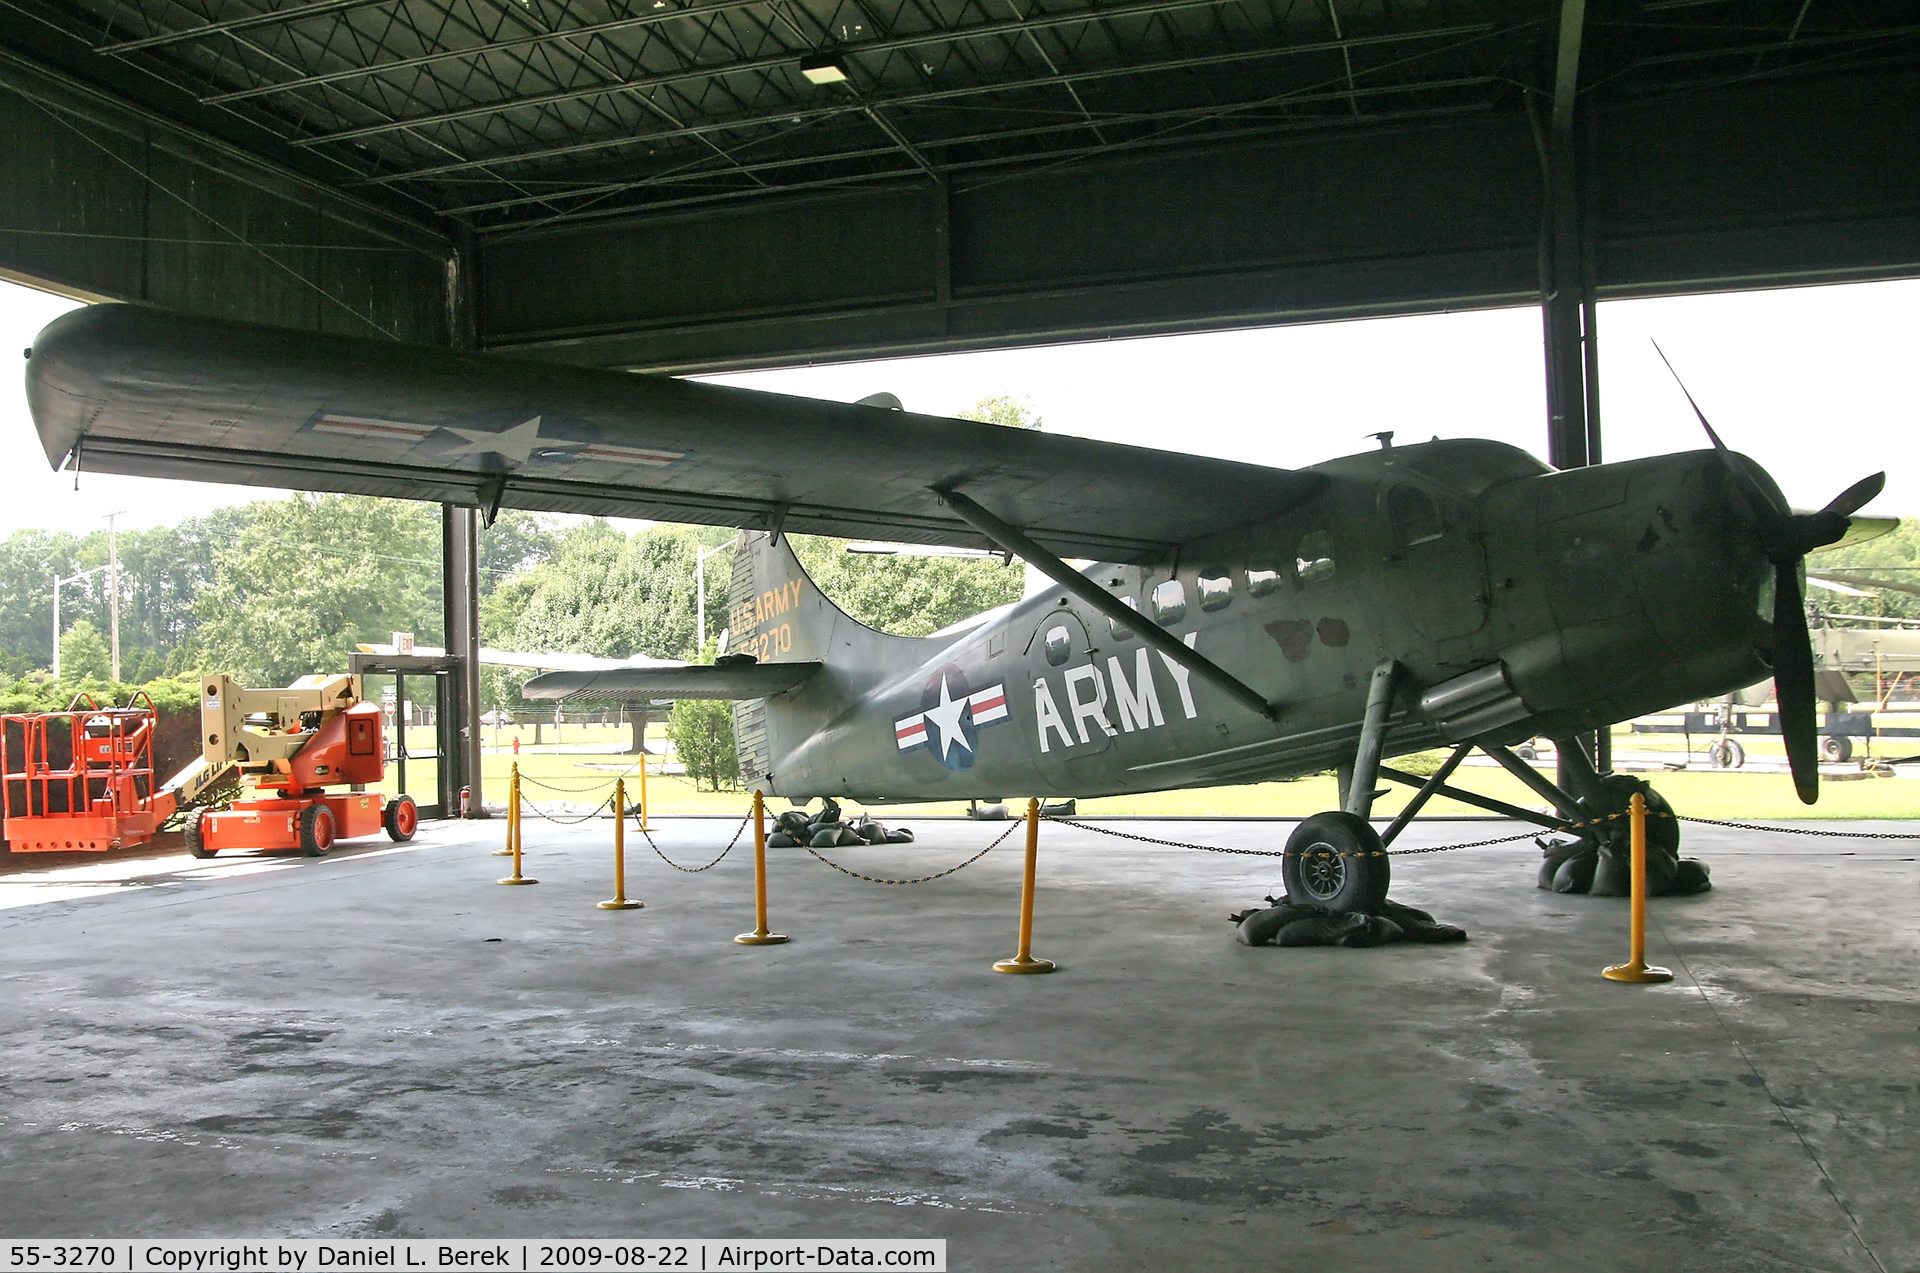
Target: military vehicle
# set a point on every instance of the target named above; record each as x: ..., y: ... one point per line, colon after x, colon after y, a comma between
x: 1240, y: 622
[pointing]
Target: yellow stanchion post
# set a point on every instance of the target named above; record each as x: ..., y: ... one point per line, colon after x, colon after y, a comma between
x: 513, y: 832
x: 513, y: 812
x: 644, y: 826
x: 1636, y: 969
x: 619, y: 901
x: 760, y: 936
x: 1024, y: 961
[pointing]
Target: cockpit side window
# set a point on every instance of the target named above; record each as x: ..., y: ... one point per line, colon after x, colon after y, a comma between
x: 1415, y: 516
x: 1313, y: 559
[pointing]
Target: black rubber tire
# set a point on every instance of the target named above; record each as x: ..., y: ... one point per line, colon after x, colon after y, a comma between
x: 316, y: 830
x: 1335, y: 860
x: 400, y: 827
x: 1836, y: 749
x: 196, y: 843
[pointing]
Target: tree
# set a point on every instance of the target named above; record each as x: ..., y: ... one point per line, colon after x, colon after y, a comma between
x: 1003, y: 409
x: 1893, y: 557
x: 702, y: 733
x: 311, y: 576
x: 84, y: 654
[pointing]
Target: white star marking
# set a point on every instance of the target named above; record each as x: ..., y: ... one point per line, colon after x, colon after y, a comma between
x: 946, y: 718
x: 515, y: 444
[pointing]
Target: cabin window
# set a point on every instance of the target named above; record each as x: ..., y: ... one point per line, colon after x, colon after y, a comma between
x: 1170, y: 602
x: 1216, y: 593
x: 1059, y: 646
x: 1313, y: 560
x: 1415, y: 517
x: 1261, y: 581
x: 1119, y: 630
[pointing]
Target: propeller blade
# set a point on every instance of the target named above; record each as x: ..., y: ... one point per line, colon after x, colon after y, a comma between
x: 1861, y: 529
x: 1793, y: 682
x: 1700, y: 415
x: 1855, y: 497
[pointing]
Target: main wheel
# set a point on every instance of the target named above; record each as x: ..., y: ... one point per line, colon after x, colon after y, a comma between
x: 401, y: 819
x: 1836, y: 749
x: 196, y: 840
x: 1336, y: 860
x: 1727, y: 754
x: 316, y: 830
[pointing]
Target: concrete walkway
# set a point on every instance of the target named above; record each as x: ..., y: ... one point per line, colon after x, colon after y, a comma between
x: 384, y: 1042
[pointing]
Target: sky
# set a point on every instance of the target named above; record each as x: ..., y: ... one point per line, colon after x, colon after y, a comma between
x: 1817, y: 384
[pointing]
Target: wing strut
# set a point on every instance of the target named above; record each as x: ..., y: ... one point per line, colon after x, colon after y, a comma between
x: 1011, y: 539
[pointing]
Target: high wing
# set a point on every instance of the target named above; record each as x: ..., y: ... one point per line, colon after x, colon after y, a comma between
x: 689, y: 680
x: 130, y: 389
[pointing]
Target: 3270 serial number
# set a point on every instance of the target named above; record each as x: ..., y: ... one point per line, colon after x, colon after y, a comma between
x: 61, y: 1257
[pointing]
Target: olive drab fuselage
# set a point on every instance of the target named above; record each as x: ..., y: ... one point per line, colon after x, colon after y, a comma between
x: 1600, y: 593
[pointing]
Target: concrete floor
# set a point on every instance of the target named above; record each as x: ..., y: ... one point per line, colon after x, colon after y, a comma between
x: 384, y: 1042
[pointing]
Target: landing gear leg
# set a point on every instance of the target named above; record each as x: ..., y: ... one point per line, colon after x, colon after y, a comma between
x: 1336, y: 859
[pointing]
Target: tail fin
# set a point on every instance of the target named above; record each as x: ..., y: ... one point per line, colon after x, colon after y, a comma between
x: 777, y: 614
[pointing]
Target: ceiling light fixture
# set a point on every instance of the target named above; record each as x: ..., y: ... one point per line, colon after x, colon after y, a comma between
x: 823, y: 68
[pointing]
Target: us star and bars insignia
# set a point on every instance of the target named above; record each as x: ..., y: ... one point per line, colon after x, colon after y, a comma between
x: 948, y: 724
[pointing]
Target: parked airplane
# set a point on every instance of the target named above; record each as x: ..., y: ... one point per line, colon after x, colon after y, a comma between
x: 1240, y: 622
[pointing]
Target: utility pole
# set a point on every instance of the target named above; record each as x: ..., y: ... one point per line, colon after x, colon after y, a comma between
x: 113, y: 590
x: 700, y: 592
x: 59, y: 583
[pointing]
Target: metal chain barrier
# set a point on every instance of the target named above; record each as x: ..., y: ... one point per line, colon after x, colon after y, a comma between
x: 588, y: 816
x: 1832, y: 835
x: 874, y: 879
x: 693, y: 870
x: 548, y: 786
x: 1281, y: 853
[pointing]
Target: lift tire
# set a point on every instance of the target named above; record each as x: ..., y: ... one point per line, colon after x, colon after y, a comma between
x: 196, y: 841
x: 401, y: 819
x: 1335, y: 861
x: 1836, y: 749
x: 316, y: 830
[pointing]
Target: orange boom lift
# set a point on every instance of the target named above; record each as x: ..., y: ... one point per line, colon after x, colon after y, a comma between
x: 293, y: 744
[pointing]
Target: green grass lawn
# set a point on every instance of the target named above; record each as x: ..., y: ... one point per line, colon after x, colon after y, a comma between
x: 1706, y: 794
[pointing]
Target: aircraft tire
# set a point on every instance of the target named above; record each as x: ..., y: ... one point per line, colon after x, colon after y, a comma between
x: 196, y: 841
x: 1335, y: 860
x: 1836, y: 749
x: 1727, y: 754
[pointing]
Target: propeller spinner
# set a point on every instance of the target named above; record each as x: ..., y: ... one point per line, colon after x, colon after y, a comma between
x: 1787, y: 537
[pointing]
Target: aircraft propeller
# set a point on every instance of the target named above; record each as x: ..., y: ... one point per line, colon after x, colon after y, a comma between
x: 1787, y: 537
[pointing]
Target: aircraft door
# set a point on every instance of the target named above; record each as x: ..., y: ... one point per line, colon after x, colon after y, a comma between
x: 1073, y: 704
x: 1435, y: 565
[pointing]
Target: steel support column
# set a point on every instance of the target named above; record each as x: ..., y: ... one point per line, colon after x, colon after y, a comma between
x: 1567, y: 287
x: 460, y: 568
x: 460, y: 595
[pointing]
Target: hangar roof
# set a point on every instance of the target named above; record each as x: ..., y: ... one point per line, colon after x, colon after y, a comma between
x: 501, y: 115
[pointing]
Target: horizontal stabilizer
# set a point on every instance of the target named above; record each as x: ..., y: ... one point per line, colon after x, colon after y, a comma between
x: 692, y: 680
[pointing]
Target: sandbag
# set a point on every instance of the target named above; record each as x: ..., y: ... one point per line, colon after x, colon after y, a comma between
x: 829, y: 810
x: 1352, y: 930
x: 1418, y: 926
x: 825, y: 838
x: 848, y: 837
x: 1259, y: 927
x: 1576, y: 872
x: 900, y: 835
x: 1690, y: 875
x: 780, y: 840
x: 793, y: 821
x: 871, y: 832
